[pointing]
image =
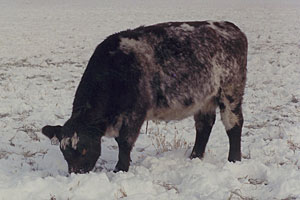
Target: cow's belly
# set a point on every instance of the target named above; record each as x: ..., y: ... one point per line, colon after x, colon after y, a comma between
x: 178, y: 111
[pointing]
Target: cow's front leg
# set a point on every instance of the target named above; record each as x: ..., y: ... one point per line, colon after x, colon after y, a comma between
x: 125, y: 148
x: 126, y: 139
x: 204, y: 124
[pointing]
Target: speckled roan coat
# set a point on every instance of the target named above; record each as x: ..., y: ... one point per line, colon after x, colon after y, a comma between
x: 167, y: 71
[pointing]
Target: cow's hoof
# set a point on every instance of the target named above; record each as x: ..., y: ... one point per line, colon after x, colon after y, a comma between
x: 196, y: 155
x: 234, y: 157
x: 119, y: 168
x: 116, y: 170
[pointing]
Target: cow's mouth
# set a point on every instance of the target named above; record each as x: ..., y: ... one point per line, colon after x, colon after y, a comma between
x: 78, y: 170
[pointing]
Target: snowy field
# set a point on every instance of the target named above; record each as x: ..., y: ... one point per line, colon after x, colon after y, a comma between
x: 44, y: 48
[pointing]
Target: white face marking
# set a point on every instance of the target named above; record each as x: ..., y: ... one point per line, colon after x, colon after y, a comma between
x: 75, y: 140
x: 64, y: 143
x: 67, y: 140
x: 54, y: 141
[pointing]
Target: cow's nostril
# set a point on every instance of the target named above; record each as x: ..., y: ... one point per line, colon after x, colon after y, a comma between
x: 73, y: 170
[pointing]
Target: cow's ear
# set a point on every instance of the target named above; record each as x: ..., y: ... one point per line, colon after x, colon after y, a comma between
x: 52, y: 131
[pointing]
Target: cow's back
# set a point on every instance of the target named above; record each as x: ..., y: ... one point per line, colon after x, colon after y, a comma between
x: 172, y: 69
x: 184, y: 65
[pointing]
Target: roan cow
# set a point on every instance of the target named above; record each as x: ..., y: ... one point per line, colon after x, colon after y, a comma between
x: 167, y: 71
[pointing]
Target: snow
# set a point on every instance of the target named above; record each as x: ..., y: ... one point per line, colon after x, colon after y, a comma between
x: 44, y: 48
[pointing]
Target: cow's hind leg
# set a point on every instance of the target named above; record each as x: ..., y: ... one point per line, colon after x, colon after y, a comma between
x: 204, y: 123
x: 126, y: 139
x: 232, y: 118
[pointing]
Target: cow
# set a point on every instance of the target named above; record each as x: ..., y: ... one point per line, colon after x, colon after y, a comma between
x: 168, y: 71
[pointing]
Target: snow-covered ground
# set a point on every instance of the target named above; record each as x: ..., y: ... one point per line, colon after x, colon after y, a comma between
x: 44, y: 48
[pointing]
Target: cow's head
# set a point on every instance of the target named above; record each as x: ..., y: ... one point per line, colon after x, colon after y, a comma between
x: 81, y: 148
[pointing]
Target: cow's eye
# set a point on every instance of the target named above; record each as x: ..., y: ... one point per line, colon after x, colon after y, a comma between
x: 84, y: 151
